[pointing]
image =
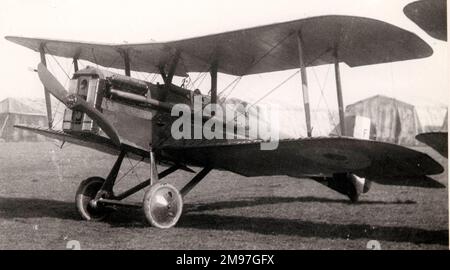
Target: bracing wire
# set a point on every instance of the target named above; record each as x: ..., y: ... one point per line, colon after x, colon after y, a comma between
x: 65, y: 84
x: 322, y: 88
x: 232, y: 89
x: 257, y: 61
x: 129, y: 170
x: 266, y: 95
x: 95, y: 58
x: 282, y: 83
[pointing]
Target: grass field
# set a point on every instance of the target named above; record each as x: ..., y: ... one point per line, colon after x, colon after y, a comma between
x: 38, y: 182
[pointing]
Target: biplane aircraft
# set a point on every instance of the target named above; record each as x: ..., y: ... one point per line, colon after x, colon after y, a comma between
x: 431, y: 16
x: 125, y: 116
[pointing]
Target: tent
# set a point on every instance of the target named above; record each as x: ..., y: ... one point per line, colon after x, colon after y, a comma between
x: 432, y: 117
x: 291, y: 122
x: 395, y: 121
x: 15, y: 111
x: 445, y: 124
x: 431, y: 111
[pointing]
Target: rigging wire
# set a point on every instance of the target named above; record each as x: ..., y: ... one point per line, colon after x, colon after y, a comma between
x: 113, y: 62
x: 147, y: 76
x: 232, y: 89
x: 188, y: 75
x: 252, y: 65
x: 95, y: 58
x: 275, y: 88
x: 59, y: 103
x: 57, y: 62
x: 285, y: 81
x: 266, y: 95
x: 322, y: 88
x: 154, y: 77
x: 201, y: 81
x: 129, y: 170
x: 65, y: 84
x: 201, y: 75
x: 134, y: 171
x: 236, y: 80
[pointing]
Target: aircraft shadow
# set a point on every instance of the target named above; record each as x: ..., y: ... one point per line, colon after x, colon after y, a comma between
x: 276, y: 226
x: 36, y: 208
x: 418, y: 181
x: 11, y: 208
x: 255, y: 201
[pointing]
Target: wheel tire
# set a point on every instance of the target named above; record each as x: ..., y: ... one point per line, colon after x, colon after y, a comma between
x: 85, y: 194
x: 162, y: 205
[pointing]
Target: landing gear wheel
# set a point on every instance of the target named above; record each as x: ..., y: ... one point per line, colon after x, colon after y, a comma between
x: 85, y: 194
x: 162, y: 205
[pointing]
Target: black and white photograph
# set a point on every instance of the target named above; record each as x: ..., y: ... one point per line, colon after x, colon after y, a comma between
x: 224, y: 125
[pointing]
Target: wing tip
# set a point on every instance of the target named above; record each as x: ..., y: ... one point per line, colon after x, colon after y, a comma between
x: 10, y: 38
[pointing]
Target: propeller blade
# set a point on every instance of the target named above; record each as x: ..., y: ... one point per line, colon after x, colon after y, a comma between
x: 75, y: 102
x: 81, y: 105
x: 52, y: 85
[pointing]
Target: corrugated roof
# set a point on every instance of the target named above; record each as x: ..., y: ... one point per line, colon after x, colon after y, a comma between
x: 382, y: 98
x: 23, y: 106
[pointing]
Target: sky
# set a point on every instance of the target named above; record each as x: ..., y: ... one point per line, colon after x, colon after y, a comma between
x: 420, y: 82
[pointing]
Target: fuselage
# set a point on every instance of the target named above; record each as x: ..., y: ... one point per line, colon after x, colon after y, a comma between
x: 144, y: 113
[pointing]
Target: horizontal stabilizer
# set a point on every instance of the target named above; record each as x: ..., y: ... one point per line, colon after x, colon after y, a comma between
x: 430, y: 15
x: 436, y: 140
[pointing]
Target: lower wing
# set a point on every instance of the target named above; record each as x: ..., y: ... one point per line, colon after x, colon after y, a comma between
x: 309, y: 157
x: 298, y: 158
x: 88, y: 140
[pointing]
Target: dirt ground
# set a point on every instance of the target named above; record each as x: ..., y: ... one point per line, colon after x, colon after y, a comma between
x: 38, y: 182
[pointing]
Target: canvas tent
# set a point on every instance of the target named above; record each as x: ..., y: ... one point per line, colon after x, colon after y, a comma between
x: 445, y: 124
x: 432, y: 117
x: 395, y: 121
x: 291, y: 122
x: 25, y: 111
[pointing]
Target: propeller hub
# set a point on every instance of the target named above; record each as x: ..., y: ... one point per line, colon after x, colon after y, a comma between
x: 71, y: 101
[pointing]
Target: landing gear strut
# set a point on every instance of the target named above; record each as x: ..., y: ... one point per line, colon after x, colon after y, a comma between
x: 162, y: 204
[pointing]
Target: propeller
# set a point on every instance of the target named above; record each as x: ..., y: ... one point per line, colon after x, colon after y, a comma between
x: 75, y: 102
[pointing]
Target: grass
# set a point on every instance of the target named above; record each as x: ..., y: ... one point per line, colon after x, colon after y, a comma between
x: 38, y: 182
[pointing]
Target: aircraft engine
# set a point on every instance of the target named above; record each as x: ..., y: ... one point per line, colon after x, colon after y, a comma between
x: 92, y: 85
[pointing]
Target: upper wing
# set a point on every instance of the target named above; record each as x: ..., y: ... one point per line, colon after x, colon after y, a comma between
x: 309, y: 157
x: 430, y: 15
x: 107, y: 55
x: 357, y: 41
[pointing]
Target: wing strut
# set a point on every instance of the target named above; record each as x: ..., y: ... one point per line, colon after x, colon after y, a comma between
x: 75, y: 64
x: 337, y: 73
x: 213, y: 73
x: 168, y: 76
x: 48, y: 102
x: 304, y: 84
x: 126, y: 61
